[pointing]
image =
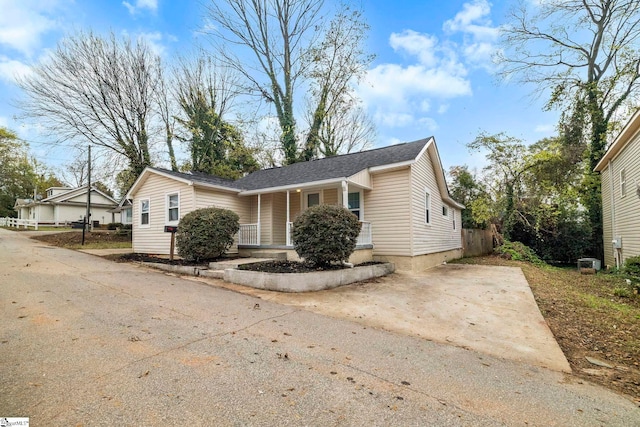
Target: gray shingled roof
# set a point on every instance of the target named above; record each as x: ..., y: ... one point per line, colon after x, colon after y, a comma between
x: 330, y: 167
x: 314, y: 170
x: 200, y: 177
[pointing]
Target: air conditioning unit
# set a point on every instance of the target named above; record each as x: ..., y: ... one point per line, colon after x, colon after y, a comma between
x: 589, y: 263
x: 617, y: 242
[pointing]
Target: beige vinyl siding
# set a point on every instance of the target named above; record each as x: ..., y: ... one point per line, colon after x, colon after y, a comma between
x: 153, y: 239
x: 330, y: 196
x: 387, y: 208
x: 294, y: 205
x: 362, y: 178
x: 206, y: 197
x: 438, y: 235
x: 278, y: 219
x: 606, y: 218
x: 266, y: 219
x: 626, y: 209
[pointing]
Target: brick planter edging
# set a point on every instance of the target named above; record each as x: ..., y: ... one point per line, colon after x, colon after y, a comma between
x: 305, y: 282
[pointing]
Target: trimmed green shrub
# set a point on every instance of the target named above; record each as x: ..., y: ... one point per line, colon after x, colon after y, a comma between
x: 324, y: 234
x: 114, y: 225
x: 632, y: 266
x: 206, y: 233
x: 518, y: 252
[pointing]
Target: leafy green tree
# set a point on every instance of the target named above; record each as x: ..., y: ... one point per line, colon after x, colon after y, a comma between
x: 466, y: 189
x: 21, y: 176
x: 204, y: 93
x: 587, y: 52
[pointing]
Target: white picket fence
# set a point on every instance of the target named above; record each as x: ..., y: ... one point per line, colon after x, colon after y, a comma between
x: 17, y: 223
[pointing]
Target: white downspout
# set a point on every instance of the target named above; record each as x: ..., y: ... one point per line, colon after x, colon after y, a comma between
x: 613, y: 215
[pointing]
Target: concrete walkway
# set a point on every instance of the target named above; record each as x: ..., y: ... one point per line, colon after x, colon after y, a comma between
x: 484, y: 308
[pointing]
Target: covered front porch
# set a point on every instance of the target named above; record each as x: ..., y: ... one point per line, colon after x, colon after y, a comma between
x: 273, y: 212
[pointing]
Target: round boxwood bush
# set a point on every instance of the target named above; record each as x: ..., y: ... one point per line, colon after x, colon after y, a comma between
x: 324, y: 234
x: 206, y: 233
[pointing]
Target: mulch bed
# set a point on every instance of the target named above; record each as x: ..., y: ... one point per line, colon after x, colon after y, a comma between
x: 278, y: 266
x: 164, y: 260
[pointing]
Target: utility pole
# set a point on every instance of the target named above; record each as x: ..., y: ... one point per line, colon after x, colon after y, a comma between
x: 87, y: 216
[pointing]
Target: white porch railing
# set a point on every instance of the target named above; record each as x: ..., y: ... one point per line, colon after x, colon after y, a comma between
x: 17, y: 223
x: 363, y: 239
x: 289, y: 233
x: 249, y: 235
x: 365, y: 234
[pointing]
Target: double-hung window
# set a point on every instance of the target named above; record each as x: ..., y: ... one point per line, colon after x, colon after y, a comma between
x: 427, y: 206
x: 173, y: 207
x: 354, y: 203
x: 623, y: 183
x: 144, y: 212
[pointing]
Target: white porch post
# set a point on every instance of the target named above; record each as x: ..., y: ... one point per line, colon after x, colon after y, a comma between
x: 258, y: 239
x: 288, y: 237
x: 345, y: 194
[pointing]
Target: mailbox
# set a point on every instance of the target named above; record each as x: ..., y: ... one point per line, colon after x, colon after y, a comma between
x: 170, y: 228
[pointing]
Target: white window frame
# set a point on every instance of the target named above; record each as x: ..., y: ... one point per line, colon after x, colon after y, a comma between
x: 445, y: 211
x: 168, y: 208
x: 427, y: 206
x: 623, y: 182
x: 148, y: 224
x: 454, y: 219
x: 361, y: 200
x: 127, y: 216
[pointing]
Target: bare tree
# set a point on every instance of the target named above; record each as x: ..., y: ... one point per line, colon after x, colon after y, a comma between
x: 587, y: 52
x: 336, y: 64
x: 98, y: 90
x: 284, y: 39
x: 345, y: 130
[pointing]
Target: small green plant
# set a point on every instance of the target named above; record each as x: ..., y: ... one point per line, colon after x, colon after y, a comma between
x: 518, y: 252
x: 206, y: 233
x: 632, y: 266
x: 623, y: 292
x: 114, y: 225
x: 324, y: 234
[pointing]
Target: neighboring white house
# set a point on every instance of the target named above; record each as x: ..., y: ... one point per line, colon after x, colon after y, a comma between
x: 123, y: 212
x: 620, y: 172
x: 399, y: 193
x: 64, y: 205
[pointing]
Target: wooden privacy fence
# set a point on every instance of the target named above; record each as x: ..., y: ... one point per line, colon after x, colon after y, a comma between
x: 477, y: 242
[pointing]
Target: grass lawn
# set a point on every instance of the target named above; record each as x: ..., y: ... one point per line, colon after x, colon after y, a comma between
x: 596, y: 316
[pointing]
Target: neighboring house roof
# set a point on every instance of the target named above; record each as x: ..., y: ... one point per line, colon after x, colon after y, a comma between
x: 315, y: 171
x: 331, y: 167
x: 67, y: 195
x: 22, y: 203
x: 624, y: 137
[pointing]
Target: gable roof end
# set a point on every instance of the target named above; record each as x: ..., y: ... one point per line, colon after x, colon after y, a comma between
x: 624, y: 137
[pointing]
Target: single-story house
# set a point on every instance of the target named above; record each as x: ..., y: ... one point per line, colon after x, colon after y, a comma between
x: 399, y: 193
x: 123, y: 212
x: 620, y: 172
x: 64, y: 205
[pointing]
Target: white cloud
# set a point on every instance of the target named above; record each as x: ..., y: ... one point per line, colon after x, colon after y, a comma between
x: 11, y: 68
x: 480, y: 37
x: 399, y: 95
x: 154, y: 40
x: 545, y: 129
x: 151, y: 5
x: 23, y: 23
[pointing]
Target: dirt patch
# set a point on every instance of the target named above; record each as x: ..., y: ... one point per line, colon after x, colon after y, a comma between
x: 70, y: 239
x: 589, y: 319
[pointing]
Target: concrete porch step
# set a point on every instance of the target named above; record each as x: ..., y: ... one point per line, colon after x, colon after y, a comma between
x: 269, y: 255
x: 234, y: 263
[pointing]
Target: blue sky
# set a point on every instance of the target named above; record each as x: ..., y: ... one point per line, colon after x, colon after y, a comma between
x: 432, y: 74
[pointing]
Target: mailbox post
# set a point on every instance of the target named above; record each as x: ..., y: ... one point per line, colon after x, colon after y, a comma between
x: 171, y: 229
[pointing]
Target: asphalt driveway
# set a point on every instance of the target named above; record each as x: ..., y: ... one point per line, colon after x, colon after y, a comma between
x: 85, y: 341
x: 485, y: 308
